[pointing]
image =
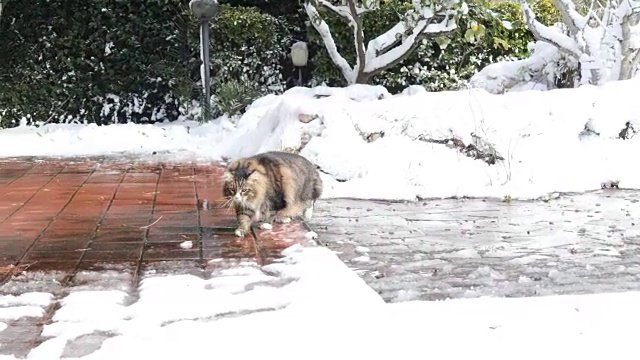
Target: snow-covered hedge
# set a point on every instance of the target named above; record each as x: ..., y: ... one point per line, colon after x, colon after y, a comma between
x: 103, y: 61
x: 490, y: 32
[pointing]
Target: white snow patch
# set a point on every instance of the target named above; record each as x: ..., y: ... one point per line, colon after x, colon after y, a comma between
x: 464, y: 253
x: 362, y: 249
x: 31, y: 298
x: 310, y: 291
x: 30, y: 304
x: 362, y: 258
x: 266, y: 226
x: 186, y: 244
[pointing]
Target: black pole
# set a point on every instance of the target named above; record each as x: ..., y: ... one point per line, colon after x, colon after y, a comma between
x: 206, y: 63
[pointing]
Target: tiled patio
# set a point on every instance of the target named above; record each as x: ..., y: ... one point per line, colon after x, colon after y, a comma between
x: 71, y: 215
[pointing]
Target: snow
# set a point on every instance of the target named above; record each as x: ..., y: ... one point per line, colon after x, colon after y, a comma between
x: 367, y: 142
x: 549, y: 34
x: 423, y: 26
x: 25, y: 305
x: 310, y: 295
x: 325, y: 33
x: 515, y: 75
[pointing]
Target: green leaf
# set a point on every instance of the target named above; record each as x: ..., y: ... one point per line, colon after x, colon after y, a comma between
x: 469, y: 36
x: 443, y: 42
x: 480, y: 31
x: 501, y: 42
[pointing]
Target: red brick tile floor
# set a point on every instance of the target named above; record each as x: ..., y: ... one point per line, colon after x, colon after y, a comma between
x: 63, y: 221
x: 74, y: 214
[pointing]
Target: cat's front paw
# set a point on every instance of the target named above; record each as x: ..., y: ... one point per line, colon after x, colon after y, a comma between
x: 281, y: 219
x: 240, y: 233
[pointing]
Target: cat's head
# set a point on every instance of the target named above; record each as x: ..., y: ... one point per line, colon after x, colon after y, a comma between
x: 245, y: 182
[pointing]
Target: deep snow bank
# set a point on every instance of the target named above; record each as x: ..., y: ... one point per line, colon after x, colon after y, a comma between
x: 537, y: 133
x: 370, y: 144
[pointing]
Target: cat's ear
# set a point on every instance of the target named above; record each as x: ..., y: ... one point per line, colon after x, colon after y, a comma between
x: 233, y: 165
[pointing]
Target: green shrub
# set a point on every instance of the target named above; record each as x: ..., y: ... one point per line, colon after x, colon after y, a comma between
x: 254, y: 57
x: 89, y: 61
x: 437, y: 64
x: 234, y: 96
x: 115, y: 61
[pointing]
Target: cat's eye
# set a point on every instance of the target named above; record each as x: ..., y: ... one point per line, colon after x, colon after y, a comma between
x: 245, y: 191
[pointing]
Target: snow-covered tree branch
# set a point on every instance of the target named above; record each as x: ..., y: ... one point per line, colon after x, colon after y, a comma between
x: 605, y: 41
x: 427, y: 19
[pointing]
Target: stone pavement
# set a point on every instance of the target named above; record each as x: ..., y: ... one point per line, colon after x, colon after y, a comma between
x: 588, y: 243
x: 105, y: 223
x: 68, y: 215
x: 66, y: 223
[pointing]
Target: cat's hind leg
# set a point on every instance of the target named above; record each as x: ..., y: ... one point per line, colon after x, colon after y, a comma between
x: 292, y: 210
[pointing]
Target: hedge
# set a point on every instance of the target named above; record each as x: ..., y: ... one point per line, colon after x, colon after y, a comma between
x: 115, y: 61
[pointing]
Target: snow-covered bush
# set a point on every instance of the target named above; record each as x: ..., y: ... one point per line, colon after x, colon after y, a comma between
x: 489, y: 32
x: 593, y: 44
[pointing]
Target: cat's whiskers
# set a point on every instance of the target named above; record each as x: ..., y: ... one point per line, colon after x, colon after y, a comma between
x: 227, y: 204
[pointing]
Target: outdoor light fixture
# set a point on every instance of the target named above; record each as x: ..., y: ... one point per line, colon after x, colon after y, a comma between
x: 205, y: 11
x: 299, y: 57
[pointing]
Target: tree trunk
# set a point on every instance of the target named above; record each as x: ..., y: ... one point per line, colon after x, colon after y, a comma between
x: 630, y: 56
x: 362, y: 78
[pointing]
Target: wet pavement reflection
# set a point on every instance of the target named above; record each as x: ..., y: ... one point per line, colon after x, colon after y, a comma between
x: 429, y: 250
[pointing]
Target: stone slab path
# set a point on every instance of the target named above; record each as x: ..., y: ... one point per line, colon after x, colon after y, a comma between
x: 588, y: 243
x: 64, y: 215
x: 68, y: 224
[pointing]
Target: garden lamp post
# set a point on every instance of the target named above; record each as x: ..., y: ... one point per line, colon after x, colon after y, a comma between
x: 205, y: 11
x: 299, y: 57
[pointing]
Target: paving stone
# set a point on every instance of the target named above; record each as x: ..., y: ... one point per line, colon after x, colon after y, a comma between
x: 106, y: 224
x: 437, y: 249
x: 116, y: 210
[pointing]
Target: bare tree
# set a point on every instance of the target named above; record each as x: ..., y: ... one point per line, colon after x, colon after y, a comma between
x: 603, y: 40
x: 427, y: 19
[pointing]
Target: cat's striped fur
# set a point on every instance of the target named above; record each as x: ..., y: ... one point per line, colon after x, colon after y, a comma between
x: 271, y: 186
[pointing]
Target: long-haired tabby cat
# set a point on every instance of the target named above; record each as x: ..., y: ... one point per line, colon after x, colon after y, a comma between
x: 278, y: 184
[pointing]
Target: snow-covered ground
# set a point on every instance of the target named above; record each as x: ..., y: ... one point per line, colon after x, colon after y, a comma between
x: 538, y: 133
x: 310, y: 305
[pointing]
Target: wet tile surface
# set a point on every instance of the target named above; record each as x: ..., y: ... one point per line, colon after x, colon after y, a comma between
x: 588, y: 243
x: 69, y: 224
x: 86, y: 210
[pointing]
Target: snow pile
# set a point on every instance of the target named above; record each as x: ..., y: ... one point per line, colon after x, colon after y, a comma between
x: 385, y: 148
x: 370, y: 144
x: 311, y: 305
